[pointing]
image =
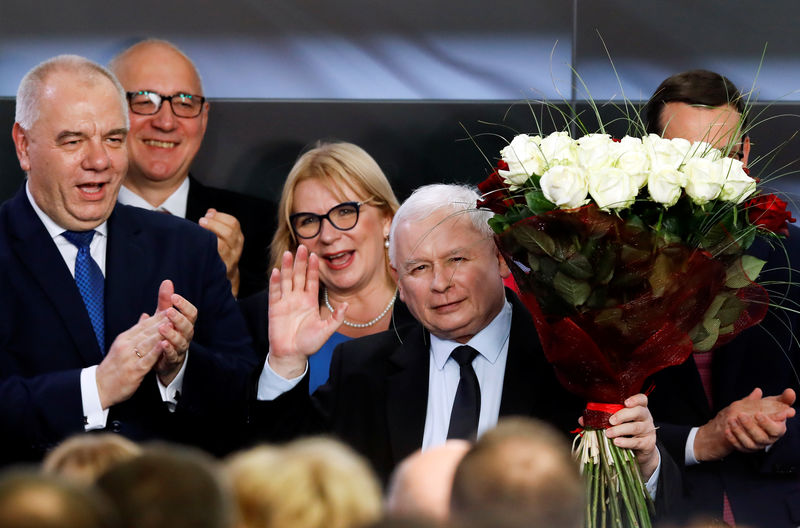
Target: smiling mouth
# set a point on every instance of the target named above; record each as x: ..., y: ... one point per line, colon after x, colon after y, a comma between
x: 338, y: 260
x: 160, y: 144
x: 91, y: 188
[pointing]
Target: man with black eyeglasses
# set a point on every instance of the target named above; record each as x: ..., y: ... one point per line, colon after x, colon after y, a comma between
x: 169, y: 115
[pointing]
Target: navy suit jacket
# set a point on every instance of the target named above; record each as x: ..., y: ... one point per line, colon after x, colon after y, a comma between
x: 46, y: 337
x: 764, y: 487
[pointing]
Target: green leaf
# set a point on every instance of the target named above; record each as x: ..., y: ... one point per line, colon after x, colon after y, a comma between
x: 729, y: 312
x: 705, y: 335
x: 537, y: 203
x: 574, y: 291
x: 577, y: 266
x: 498, y: 224
x: 533, y: 240
x: 743, y: 271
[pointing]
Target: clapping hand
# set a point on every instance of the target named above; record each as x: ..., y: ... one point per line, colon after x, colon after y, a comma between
x: 296, y: 329
x: 230, y: 242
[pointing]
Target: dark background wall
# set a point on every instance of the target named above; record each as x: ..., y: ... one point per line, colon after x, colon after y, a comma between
x: 412, y: 81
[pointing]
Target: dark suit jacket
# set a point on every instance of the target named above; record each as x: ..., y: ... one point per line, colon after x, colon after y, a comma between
x: 376, y: 398
x: 257, y: 218
x: 46, y: 337
x: 763, y: 488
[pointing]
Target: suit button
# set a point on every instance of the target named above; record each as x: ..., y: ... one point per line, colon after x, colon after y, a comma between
x: 116, y: 426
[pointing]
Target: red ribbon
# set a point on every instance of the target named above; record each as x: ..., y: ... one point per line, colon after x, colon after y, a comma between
x: 596, y: 415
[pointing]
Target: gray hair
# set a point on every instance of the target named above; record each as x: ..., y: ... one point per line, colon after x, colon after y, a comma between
x: 428, y: 199
x: 32, y: 84
x: 116, y: 62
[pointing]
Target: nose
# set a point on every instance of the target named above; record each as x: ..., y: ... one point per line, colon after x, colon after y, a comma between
x: 164, y: 119
x: 442, y: 278
x: 97, y: 157
x: 327, y: 233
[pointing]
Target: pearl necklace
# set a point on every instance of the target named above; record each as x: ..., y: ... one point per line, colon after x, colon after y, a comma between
x: 368, y: 323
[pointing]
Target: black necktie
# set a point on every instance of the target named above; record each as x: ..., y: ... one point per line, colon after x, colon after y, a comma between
x: 467, y: 404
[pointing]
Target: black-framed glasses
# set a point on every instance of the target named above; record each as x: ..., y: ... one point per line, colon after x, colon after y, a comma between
x: 145, y: 102
x: 343, y: 217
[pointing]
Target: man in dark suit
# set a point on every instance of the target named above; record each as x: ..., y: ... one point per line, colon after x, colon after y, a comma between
x: 728, y: 415
x: 79, y: 274
x: 394, y: 392
x: 168, y: 116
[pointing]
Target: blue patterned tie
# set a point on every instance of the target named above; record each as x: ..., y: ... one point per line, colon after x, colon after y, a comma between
x: 90, y: 282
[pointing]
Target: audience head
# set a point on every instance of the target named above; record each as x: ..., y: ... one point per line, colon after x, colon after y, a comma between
x: 309, y: 483
x: 69, y: 135
x: 169, y: 487
x: 322, y: 178
x: 166, y: 133
x: 34, y: 500
x: 700, y: 105
x: 420, y: 485
x: 84, y: 457
x: 446, y: 264
x: 524, y: 466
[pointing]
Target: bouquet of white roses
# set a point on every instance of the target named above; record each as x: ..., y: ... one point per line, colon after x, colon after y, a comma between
x: 629, y: 254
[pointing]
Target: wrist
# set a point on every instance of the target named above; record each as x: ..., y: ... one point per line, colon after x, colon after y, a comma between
x: 286, y: 367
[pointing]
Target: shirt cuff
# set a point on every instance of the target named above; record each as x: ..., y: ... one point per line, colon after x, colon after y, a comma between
x: 94, y: 416
x: 688, y: 454
x: 271, y: 384
x: 652, y: 483
x: 170, y: 393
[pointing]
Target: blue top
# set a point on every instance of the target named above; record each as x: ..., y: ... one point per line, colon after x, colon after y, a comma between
x: 319, y: 365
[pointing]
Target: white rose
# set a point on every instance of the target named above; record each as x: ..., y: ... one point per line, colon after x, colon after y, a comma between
x: 665, y: 185
x: 559, y: 149
x: 701, y: 149
x: 738, y: 185
x: 565, y: 185
x: 524, y: 157
x: 662, y: 152
x: 594, y: 151
x: 683, y: 147
x: 612, y: 188
x: 704, y: 179
x: 632, y: 158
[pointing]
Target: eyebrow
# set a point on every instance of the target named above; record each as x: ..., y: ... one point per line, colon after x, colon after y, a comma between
x: 69, y: 133
x: 117, y: 131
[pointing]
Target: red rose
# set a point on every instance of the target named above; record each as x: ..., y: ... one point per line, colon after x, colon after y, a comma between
x: 494, y: 191
x: 769, y: 212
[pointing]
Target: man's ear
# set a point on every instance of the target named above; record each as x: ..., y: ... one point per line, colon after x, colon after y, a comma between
x: 501, y: 262
x: 20, y: 137
x: 745, y: 150
x: 396, y: 279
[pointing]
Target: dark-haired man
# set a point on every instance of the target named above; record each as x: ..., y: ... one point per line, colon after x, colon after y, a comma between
x: 728, y: 414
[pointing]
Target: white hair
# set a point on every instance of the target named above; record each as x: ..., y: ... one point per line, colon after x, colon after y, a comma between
x: 33, y: 83
x: 115, y: 64
x: 428, y: 199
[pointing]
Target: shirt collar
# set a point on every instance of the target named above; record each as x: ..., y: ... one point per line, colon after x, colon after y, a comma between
x: 53, y: 229
x: 488, y: 342
x: 175, y: 204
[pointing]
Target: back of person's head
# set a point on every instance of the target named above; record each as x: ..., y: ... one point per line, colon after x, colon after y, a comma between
x: 169, y: 487
x: 420, y: 486
x: 35, y: 500
x: 309, y: 483
x: 694, y: 87
x: 338, y: 166
x: 84, y: 457
x: 524, y: 466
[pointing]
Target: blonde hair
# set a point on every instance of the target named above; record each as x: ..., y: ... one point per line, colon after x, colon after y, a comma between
x: 84, y: 457
x: 337, y: 166
x: 309, y: 483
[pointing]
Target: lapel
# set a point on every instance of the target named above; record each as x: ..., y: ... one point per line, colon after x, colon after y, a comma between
x: 127, y: 265
x: 197, y: 201
x: 407, y: 392
x: 520, y: 386
x: 38, y: 253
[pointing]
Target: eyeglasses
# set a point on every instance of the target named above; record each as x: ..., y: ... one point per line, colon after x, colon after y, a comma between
x: 343, y: 217
x: 145, y: 102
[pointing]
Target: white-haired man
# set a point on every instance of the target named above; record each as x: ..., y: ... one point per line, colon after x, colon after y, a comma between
x: 79, y: 274
x: 471, y: 358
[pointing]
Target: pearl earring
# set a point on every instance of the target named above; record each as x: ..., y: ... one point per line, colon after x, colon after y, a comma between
x: 386, y: 242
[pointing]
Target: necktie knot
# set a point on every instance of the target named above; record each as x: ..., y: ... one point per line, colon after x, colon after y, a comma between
x: 464, y: 355
x: 79, y: 239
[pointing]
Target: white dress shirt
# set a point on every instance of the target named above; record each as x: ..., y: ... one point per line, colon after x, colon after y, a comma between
x: 95, y: 415
x: 175, y: 204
